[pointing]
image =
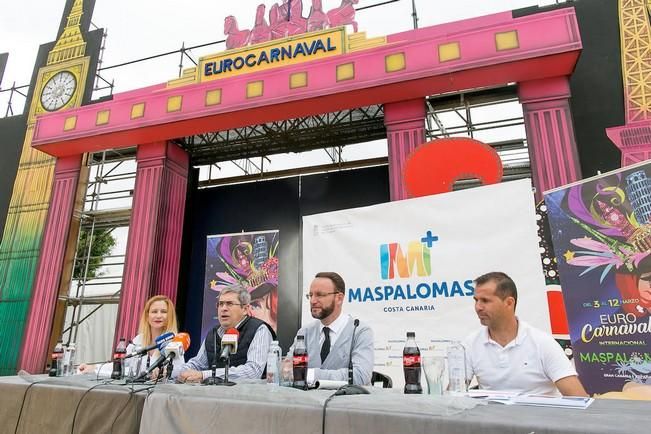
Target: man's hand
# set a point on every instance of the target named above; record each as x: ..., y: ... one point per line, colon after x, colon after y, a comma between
x: 85, y: 369
x: 190, y: 376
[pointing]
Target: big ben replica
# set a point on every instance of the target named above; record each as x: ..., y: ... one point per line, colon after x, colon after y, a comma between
x: 63, y: 82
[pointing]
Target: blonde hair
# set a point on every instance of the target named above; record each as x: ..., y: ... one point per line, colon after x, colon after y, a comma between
x: 145, y: 331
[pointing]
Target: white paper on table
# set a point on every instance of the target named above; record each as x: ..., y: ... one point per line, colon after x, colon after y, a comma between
x: 502, y: 396
x: 331, y: 384
x: 576, y: 402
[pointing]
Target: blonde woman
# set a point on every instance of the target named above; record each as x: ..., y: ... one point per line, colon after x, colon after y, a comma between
x: 158, y: 317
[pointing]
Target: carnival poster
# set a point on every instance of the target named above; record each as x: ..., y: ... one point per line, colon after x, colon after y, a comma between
x: 249, y: 259
x: 601, y: 232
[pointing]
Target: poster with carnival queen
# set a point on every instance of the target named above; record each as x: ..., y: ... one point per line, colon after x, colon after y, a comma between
x: 601, y: 232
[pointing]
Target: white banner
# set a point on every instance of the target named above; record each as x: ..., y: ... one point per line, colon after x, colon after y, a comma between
x: 409, y: 265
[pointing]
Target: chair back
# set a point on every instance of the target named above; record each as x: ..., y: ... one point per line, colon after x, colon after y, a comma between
x: 387, y: 383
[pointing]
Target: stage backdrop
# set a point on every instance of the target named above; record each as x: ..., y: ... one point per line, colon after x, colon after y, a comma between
x: 601, y: 231
x: 249, y: 259
x: 409, y: 265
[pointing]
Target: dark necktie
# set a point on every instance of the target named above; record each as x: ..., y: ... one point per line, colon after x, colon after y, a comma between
x: 325, y: 348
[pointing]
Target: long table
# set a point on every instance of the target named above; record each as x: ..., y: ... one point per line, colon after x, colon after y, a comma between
x: 258, y: 408
x: 39, y: 404
x: 78, y: 404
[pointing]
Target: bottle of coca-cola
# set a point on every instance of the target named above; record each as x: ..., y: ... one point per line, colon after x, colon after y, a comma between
x: 118, y: 360
x: 300, y: 363
x: 57, y: 360
x: 411, y: 365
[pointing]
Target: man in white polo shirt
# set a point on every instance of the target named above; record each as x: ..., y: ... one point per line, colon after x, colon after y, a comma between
x: 509, y: 354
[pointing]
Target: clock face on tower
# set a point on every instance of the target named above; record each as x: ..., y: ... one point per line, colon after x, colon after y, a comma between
x: 58, y: 90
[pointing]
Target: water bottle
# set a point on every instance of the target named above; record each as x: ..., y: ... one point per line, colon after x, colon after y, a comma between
x: 276, y: 352
x: 65, y: 360
x: 273, y: 375
x: 411, y: 365
x: 300, y: 363
x: 457, y: 368
x: 62, y: 368
x: 136, y: 350
x: 118, y: 360
x: 56, y: 368
x: 72, y: 353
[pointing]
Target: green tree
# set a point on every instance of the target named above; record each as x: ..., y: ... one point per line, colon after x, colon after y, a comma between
x: 102, y: 244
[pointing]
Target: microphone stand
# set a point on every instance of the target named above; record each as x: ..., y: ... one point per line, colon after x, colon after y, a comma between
x: 136, y: 377
x: 225, y: 381
x: 213, y: 377
x: 217, y: 381
x: 350, y: 388
x: 214, y: 380
x: 170, y: 368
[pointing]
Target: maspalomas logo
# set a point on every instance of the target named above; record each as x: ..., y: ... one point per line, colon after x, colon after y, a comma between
x: 394, y: 263
x: 411, y: 262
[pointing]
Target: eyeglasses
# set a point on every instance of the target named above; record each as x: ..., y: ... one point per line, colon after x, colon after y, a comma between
x: 227, y: 304
x: 319, y: 296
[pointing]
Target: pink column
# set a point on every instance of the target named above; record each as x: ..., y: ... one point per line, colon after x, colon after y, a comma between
x: 550, y: 133
x: 633, y: 140
x: 33, y: 356
x: 154, y: 244
x: 405, y: 122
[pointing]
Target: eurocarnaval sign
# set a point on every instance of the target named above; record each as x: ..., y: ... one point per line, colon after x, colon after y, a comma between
x: 273, y: 54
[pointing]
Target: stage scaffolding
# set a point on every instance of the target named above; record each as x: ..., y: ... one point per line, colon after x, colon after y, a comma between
x: 89, y: 307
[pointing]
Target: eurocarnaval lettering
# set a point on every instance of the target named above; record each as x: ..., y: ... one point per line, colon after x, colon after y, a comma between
x: 615, y: 325
x: 291, y: 50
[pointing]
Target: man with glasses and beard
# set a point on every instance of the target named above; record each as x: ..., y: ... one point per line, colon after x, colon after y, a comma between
x: 329, y: 339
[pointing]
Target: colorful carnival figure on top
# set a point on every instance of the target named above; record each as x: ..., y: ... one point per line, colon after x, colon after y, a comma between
x: 234, y: 36
x: 261, y: 31
x: 286, y: 19
x: 617, y: 223
x: 250, y: 260
x: 317, y: 20
x: 344, y: 14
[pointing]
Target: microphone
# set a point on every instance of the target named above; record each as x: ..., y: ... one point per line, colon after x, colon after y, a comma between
x: 174, y: 349
x: 178, y: 345
x: 350, y: 388
x: 159, y: 343
x: 350, y: 356
x: 229, y: 343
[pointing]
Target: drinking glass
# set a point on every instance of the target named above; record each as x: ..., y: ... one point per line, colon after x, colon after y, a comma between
x: 434, y: 368
x: 287, y: 371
